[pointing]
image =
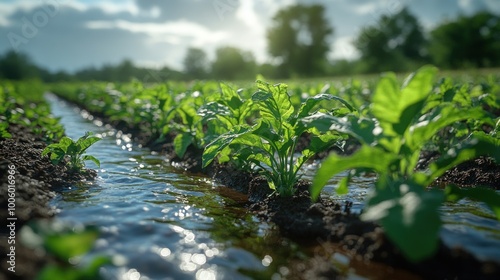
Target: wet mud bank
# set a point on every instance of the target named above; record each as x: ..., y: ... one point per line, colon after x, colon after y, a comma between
x: 28, y: 182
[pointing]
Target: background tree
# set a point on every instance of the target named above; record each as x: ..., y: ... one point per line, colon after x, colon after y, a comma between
x: 125, y: 71
x: 396, y: 42
x: 298, y: 39
x: 195, y: 63
x: 17, y: 66
x: 233, y: 64
x: 472, y: 41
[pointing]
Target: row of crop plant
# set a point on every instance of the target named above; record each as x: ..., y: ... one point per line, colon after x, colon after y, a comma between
x: 259, y: 127
x: 22, y: 104
x: 26, y: 121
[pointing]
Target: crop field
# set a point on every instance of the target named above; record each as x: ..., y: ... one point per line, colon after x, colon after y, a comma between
x: 407, y: 134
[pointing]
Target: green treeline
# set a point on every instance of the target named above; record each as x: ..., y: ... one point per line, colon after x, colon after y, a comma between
x: 299, y: 40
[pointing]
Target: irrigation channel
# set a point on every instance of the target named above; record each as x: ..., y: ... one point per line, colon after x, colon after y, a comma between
x: 157, y: 222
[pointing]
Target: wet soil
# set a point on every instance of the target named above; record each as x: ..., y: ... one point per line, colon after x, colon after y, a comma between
x: 35, y: 181
x: 482, y: 171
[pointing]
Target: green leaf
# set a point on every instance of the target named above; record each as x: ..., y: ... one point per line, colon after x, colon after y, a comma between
x: 230, y: 96
x: 342, y: 187
x: 260, y: 96
x: 416, y: 90
x: 212, y: 110
x: 4, y: 133
x: 366, y: 157
x: 46, y: 151
x: 264, y: 130
x: 274, y: 101
x: 443, y: 116
x: 488, y: 196
x: 85, y: 142
x: 408, y: 115
x: 57, y: 155
x: 311, y: 102
x: 409, y: 216
x: 181, y: 143
x: 67, y: 245
x: 73, y: 149
x: 258, y: 157
x: 252, y: 140
x: 221, y: 142
x: 322, y: 142
x: 52, y: 271
x: 91, y: 158
x: 363, y: 129
x: 385, y: 101
x: 399, y: 107
x: 92, y: 271
x: 64, y: 143
x: 188, y: 115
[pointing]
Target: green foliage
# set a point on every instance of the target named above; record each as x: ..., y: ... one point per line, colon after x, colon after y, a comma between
x: 67, y: 247
x: 396, y: 42
x: 468, y: 41
x: 392, y: 141
x: 223, y: 115
x: 298, y: 36
x: 233, y: 64
x: 22, y: 103
x: 73, y: 151
x: 17, y: 66
x: 271, y: 141
x: 196, y: 63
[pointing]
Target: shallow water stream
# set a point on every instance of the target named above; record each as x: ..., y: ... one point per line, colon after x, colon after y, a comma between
x: 160, y: 223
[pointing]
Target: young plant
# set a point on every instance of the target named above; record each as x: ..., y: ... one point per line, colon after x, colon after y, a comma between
x: 392, y: 142
x: 73, y: 151
x: 189, y: 129
x: 223, y: 115
x: 270, y: 143
x: 66, y: 246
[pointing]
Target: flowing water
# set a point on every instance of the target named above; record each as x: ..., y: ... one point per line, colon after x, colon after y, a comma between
x: 160, y: 223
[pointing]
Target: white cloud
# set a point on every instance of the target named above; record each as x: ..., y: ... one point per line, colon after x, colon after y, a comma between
x: 109, y: 6
x: 254, y: 35
x: 364, y: 9
x: 173, y: 32
x: 29, y: 6
x: 247, y: 14
x: 9, y: 8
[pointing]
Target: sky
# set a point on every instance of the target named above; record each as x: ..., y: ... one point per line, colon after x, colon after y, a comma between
x: 74, y: 34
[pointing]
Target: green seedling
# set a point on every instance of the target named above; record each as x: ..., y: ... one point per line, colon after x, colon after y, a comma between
x: 270, y: 143
x: 73, y: 151
x: 67, y: 246
x: 392, y: 142
x: 222, y: 116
